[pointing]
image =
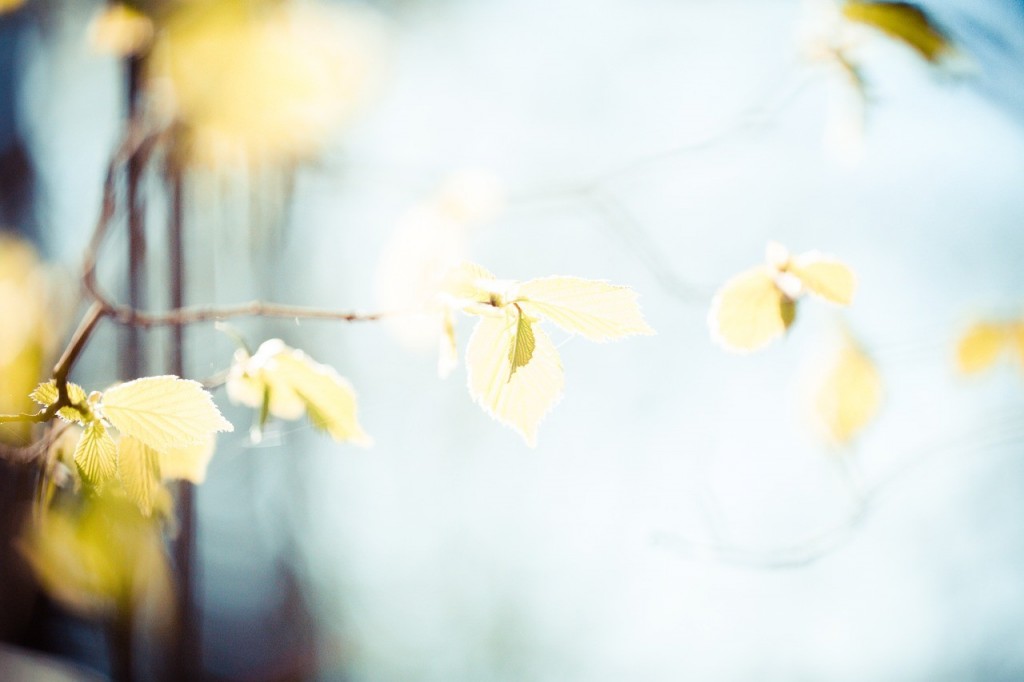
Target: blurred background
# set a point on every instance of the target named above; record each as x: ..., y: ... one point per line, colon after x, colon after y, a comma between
x: 681, y: 516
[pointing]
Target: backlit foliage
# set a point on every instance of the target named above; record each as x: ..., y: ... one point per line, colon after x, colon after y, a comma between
x: 847, y: 392
x: 288, y: 384
x: 513, y: 368
x: 759, y: 305
x: 159, y: 420
x: 984, y: 342
x: 263, y: 81
x: 30, y: 312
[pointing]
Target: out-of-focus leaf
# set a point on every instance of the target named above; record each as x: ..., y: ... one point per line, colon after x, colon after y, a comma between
x: 102, y: 558
x: 904, y: 22
x: 163, y: 412
x: 848, y: 394
x: 980, y: 346
x: 749, y: 311
x: 825, y: 276
x: 297, y: 385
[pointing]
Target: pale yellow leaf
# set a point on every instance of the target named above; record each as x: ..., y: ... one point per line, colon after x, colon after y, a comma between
x: 523, y: 400
x: 824, y: 276
x: 596, y: 310
x: 904, y: 22
x: 138, y: 466
x: 980, y: 346
x: 467, y: 282
x: 163, y: 412
x: 96, y: 453
x: 188, y: 463
x: 849, y: 394
x: 252, y: 377
x: 749, y: 311
x: 46, y: 394
x: 330, y: 399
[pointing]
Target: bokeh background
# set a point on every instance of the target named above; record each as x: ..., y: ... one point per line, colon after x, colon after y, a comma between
x: 680, y: 518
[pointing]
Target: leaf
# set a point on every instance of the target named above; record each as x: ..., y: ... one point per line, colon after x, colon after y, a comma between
x: 467, y: 282
x: 330, y: 399
x: 849, y: 395
x: 524, y: 341
x: 139, y: 468
x: 46, y: 394
x: 96, y: 453
x: 187, y: 463
x: 904, y: 22
x: 749, y: 311
x: 120, y: 30
x: 593, y: 309
x: 101, y: 557
x: 980, y: 346
x: 523, y: 400
x: 163, y: 412
x: 825, y: 277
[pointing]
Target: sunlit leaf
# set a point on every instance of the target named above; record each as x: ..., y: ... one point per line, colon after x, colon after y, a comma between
x: 120, y: 30
x: 519, y: 400
x: 103, y: 558
x: 596, y: 310
x: 187, y: 463
x: 330, y: 399
x: 848, y: 394
x: 980, y: 346
x: 824, y: 276
x: 749, y: 311
x: 138, y: 466
x: 297, y: 385
x: 468, y: 282
x: 96, y: 453
x: 904, y: 22
x: 163, y: 412
x: 524, y: 342
x: 46, y: 394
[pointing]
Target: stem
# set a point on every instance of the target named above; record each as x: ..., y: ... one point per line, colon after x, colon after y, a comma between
x: 120, y: 646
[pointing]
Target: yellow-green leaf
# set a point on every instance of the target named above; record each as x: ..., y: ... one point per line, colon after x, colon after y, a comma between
x: 102, y: 557
x: 904, y: 22
x: 46, y: 394
x: 187, y: 463
x: 596, y: 310
x: 523, y: 400
x: 524, y: 341
x: 163, y: 412
x: 96, y: 453
x: 138, y: 466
